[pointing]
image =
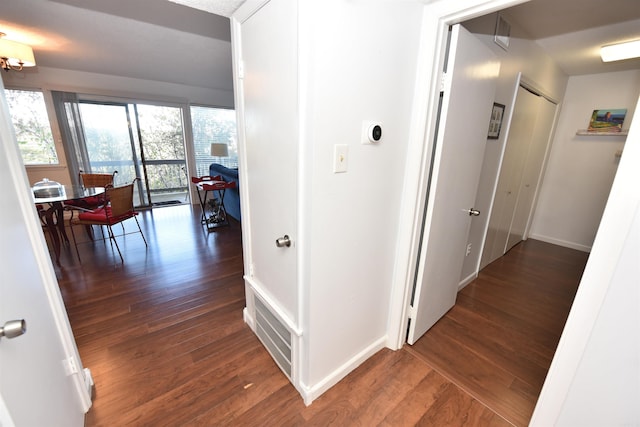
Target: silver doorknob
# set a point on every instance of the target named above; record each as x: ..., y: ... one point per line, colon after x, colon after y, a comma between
x: 473, y: 212
x: 13, y: 328
x: 283, y: 241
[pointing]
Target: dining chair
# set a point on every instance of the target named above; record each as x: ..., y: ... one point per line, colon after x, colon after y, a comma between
x: 118, y: 208
x: 92, y: 180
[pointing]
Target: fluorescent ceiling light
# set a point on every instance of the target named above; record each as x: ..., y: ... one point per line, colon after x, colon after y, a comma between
x: 620, y: 51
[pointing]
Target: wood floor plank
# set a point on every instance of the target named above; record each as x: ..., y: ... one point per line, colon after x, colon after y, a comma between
x: 481, y: 378
x: 392, y: 385
x: 541, y: 339
x: 164, y: 337
x: 208, y: 393
x: 455, y: 408
x: 498, y: 341
x: 410, y: 410
x: 507, y: 349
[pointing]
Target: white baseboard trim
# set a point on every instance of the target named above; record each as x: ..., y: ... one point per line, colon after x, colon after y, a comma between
x: 309, y: 394
x: 464, y: 282
x: 559, y: 242
x: 248, y: 319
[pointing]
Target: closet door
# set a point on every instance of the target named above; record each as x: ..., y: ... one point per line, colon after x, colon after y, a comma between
x: 269, y: 86
x: 532, y: 172
x: 515, y: 155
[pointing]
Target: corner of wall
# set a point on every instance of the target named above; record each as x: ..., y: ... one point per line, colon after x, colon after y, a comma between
x: 310, y: 393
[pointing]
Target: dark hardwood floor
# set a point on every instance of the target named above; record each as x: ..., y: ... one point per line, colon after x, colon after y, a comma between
x: 165, y: 341
x: 498, y: 341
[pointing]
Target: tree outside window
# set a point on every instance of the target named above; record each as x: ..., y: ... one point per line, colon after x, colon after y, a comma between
x: 32, y: 127
x: 213, y: 125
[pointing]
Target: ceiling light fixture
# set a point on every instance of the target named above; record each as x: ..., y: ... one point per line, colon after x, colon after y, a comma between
x: 620, y: 51
x: 15, y: 55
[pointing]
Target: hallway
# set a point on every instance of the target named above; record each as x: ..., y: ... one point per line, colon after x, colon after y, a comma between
x: 164, y: 338
x: 498, y: 341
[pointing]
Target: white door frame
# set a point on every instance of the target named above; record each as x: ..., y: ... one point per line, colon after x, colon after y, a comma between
x: 611, y: 234
x: 436, y: 19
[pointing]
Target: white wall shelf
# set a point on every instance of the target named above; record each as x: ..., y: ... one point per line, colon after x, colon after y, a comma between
x: 584, y: 132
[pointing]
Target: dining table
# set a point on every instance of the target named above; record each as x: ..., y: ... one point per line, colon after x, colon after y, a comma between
x: 51, y: 210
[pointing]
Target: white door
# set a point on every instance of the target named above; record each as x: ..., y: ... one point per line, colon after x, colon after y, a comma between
x: 269, y: 88
x: 523, y: 120
x: 460, y: 144
x: 532, y: 171
x: 38, y: 384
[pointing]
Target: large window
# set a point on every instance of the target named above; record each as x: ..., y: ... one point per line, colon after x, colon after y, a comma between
x: 137, y: 140
x: 213, y: 125
x: 31, y: 124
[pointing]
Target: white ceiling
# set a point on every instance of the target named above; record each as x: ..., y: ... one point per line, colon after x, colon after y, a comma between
x: 146, y: 39
x: 572, y: 31
x: 219, y: 7
x: 177, y: 41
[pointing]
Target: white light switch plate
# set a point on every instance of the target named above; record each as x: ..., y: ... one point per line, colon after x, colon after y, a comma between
x: 340, y: 158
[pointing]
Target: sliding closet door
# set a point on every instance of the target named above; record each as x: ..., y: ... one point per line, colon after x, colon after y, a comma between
x: 532, y: 173
x: 520, y: 174
x: 522, y: 125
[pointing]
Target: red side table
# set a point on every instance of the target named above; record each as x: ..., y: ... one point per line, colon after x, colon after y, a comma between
x: 214, y: 214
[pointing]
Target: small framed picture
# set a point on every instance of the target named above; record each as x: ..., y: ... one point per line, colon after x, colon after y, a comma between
x: 496, y: 121
x: 608, y: 120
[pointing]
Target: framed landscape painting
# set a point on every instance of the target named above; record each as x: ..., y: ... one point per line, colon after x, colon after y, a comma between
x: 610, y: 120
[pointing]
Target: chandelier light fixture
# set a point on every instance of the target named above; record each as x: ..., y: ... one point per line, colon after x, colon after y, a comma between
x: 620, y: 51
x: 14, y: 55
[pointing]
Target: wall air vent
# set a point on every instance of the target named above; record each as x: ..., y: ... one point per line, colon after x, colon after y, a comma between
x: 502, y: 35
x: 275, y: 336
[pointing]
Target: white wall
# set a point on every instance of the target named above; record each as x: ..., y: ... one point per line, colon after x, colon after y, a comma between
x: 594, y: 379
x: 361, y: 66
x: 48, y: 79
x: 526, y: 57
x: 581, y: 168
x: 612, y: 356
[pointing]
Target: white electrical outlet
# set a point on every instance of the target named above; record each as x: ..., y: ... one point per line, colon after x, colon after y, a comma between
x: 468, y: 249
x: 340, y: 158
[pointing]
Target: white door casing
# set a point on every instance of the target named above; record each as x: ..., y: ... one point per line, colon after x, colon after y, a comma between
x: 466, y: 109
x: 42, y: 381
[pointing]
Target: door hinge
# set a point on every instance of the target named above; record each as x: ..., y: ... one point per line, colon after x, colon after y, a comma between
x: 70, y: 366
x: 444, y: 81
x: 412, y: 312
x: 241, y: 69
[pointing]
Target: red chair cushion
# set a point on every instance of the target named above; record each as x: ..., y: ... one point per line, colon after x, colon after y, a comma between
x: 103, y: 215
x: 86, y: 202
